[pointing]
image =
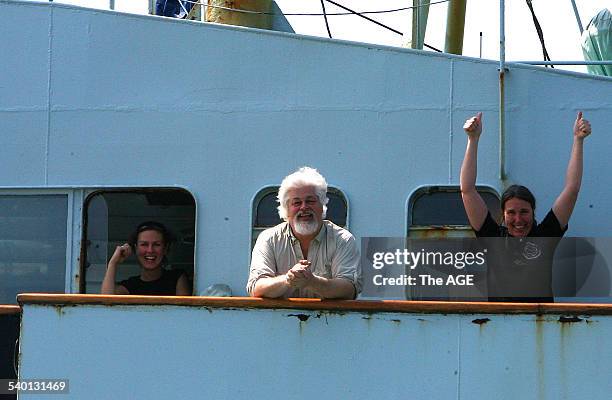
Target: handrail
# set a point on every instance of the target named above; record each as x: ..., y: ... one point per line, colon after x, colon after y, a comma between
x: 9, y: 309
x: 367, y: 306
x: 604, y: 62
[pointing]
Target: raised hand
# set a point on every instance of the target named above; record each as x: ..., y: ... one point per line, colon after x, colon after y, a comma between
x: 582, y: 127
x: 473, y: 126
x: 121, y: 253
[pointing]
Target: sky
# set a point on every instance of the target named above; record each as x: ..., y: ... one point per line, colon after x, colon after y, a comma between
x: 557, y: 18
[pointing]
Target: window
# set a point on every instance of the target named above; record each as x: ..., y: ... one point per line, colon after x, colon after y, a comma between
x: 437, y: 212
x: 265, y: 211
x: 33, y: 237
x: 111, y: 216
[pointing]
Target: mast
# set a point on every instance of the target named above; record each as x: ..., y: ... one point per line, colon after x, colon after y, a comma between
x: 420, y: 12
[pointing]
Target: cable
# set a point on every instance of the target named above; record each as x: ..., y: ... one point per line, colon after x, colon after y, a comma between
x: 540, y: 33
x: 364, y: 17
x: 325, y: 17
x: 433, y: 48
x: 313, y: 14
x: 325, y: 14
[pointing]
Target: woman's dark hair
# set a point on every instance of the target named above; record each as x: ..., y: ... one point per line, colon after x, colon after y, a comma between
x: 519, y: 192
x: 152, y: 226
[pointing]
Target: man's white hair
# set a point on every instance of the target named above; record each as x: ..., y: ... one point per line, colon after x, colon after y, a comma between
x: 304, y: 176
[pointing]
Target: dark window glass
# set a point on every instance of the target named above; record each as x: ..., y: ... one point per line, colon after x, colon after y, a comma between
x: 266, y: 214
x: 444, y: 206
x: 33, y: 232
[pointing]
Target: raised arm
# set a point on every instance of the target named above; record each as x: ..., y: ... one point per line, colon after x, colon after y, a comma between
x: 108, y: 284
x: 475, y: 207
x: 564, y: 205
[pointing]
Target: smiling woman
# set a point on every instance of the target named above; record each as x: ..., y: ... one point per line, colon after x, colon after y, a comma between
x: 528, y: 276
x: 150, y: 242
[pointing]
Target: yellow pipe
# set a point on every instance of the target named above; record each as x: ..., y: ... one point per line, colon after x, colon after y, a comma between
x: 229, y: 17
x: 455, y: 23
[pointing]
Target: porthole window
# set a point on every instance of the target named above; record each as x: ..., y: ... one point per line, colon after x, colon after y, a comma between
x: 437, y: 211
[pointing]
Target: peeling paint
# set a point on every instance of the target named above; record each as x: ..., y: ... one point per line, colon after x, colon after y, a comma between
x: 540, y: 366
x: 480, y: 321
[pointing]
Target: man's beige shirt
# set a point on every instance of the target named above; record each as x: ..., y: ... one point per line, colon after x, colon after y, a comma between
x: 333, y: 253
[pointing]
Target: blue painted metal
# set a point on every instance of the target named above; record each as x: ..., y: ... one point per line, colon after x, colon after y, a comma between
x: 158, y: 352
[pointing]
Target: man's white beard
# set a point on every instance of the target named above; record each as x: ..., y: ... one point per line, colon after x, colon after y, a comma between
x: 306, y: 228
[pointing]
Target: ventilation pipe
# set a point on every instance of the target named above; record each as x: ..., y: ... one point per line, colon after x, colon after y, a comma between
x: 455, y: 22
x: 256, y: 13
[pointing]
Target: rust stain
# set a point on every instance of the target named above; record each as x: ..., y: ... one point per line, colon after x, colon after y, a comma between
x: 368, y: 320
x: 567, y: 319
x: 301, y: 317
x: 436, y: 232
x: 539, y: 337
x: 59, y: 310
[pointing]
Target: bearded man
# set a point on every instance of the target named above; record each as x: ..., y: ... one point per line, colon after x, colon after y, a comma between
x: 305, y: 256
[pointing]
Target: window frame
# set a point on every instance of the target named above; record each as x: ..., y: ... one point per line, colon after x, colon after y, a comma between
x: 90, y: 192
x: 71, y: 274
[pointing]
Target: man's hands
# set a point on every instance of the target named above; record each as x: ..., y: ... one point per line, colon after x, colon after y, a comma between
x: 582, y: 127
x: 300, y: 275
x: 473, y: 126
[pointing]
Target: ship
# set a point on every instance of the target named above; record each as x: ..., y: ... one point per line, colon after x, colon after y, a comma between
x: 109, y: 119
